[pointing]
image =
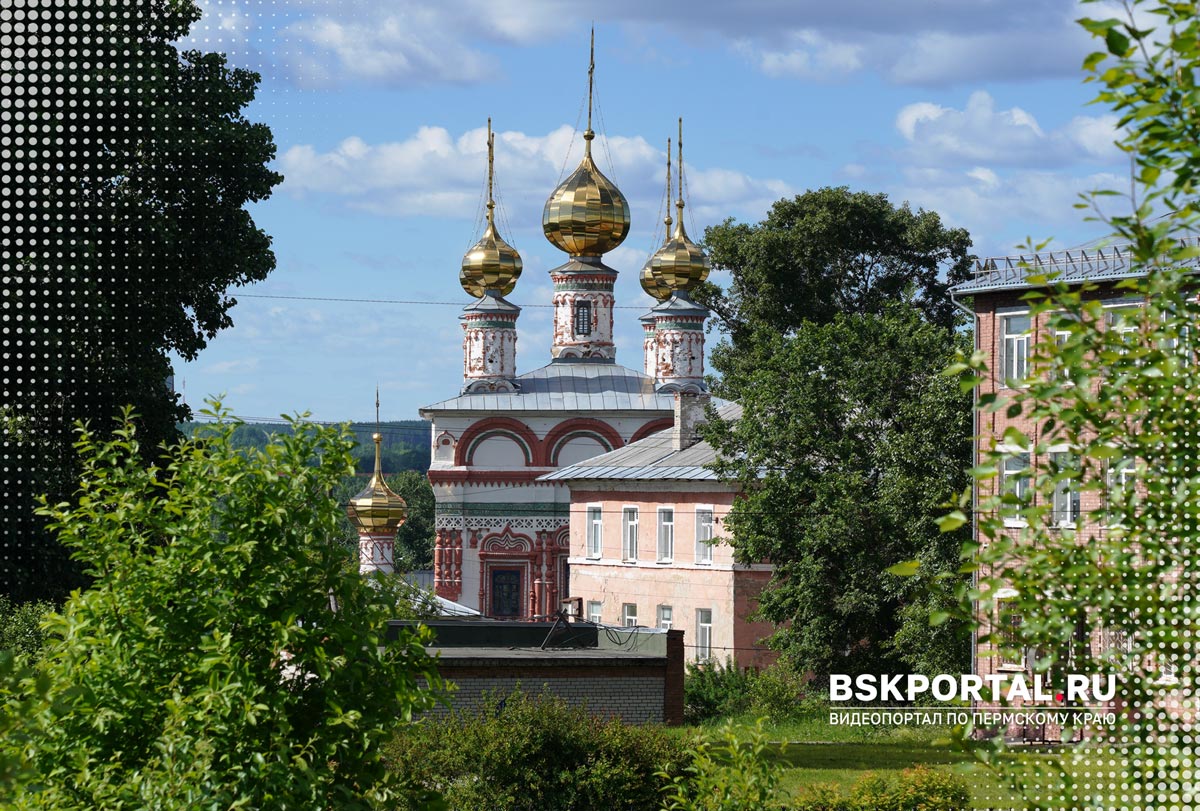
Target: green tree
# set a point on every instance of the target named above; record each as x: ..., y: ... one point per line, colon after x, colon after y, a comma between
x: 1121, y: 394
x: 850, y: 442
x: 136, y: 171
x: 225, y: 656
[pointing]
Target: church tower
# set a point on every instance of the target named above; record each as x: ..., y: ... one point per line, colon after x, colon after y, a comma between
x: 586, y: 216
x: 489, y: 273
x: 671, y: 273
x: 377, y: 513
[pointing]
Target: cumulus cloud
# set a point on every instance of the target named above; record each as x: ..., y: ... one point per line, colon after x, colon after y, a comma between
x: 435, y: 172
x: 981, y: 134
x: 809, y: 55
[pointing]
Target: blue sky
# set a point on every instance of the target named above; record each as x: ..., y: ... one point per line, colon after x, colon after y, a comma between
x: 975, y: 109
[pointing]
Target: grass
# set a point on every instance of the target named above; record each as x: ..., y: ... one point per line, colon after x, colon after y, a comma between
x: 815, y: 753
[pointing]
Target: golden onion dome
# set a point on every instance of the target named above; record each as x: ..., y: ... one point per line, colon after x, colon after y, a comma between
x: 679, y: 265
x: 586, y: 215
x: 376, y: 509
x: 492, y: 264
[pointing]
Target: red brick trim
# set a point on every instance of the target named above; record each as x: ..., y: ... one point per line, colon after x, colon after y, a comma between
x: 575, y: 427
x: 484, y: 476
x: 652, y: 427
x: 498, y: 426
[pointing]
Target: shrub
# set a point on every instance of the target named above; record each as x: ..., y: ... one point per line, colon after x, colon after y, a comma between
x: 20, y: 626
x: 779, y: 693
x: 712, y: 690
x: 521, y: 752
x: 730, y: 772
x: 916, y: 789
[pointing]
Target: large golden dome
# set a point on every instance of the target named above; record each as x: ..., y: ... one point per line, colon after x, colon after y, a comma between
x: 586, y: 215
x: 492, y: 264
x: 376, y: 509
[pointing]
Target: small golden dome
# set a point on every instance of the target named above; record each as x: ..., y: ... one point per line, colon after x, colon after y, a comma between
x: 653, y: 284
x: 492, y: 264
x: 376, y: 509
x: 679, y: 265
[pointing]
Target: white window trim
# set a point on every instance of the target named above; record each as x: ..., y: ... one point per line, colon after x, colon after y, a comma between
x: 1014, y: 523
x: 658, y: 536
x: 659, y: 617
x: 625, y: 556
x: 1069, y: 451
x: 1003, y: 315
x: 703, y: 654
x: 1001, y: 665
x: 626, y: 616
x: 587, y: 541
x: 701, y: 546
x: 599, y: 615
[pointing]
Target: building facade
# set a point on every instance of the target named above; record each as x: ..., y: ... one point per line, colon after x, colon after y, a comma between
x: 646, y: 526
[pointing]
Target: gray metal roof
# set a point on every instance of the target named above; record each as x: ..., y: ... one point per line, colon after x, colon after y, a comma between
x: 568, y: 386
x: 1073, y: 266
x: 651, y: 458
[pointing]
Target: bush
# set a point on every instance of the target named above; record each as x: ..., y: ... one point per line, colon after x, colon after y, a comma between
x: 916, y: 789
x: 730, y: 773
x: 780, y: 693
x: 518, y: 752
x: 20, y: 626
x: 712, y: 690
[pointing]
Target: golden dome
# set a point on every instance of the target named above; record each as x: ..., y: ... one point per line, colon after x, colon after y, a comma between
x: 680, y: 264
x: 376, y: 509
x: 492, y: 264
x: 586, y: 215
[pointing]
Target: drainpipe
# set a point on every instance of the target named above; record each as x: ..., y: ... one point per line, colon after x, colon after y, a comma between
x: 974, y: 461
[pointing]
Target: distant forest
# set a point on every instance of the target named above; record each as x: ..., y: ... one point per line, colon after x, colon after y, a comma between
x: 405, y: 442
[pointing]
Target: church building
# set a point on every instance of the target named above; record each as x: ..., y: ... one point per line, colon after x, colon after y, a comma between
x: 502, y: 533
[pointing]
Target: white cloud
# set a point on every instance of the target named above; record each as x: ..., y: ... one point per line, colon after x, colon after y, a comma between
x: 980, y: 134
x: 435, y: 173
x: 809, y: 55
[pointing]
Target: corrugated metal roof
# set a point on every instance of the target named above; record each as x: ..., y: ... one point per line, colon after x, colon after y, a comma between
x: 1072, y: 266
x: 651, y: 458
x: 568, y: 386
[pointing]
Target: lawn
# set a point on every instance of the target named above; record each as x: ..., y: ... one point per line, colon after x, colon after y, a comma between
x: 815, y: 753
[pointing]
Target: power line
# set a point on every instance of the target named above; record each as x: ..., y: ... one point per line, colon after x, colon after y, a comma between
x: 407, y: 301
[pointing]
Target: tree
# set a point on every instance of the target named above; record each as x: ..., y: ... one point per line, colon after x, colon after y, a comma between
x: 225, y: 656
x: 136, y: 168
x: 827, y: 252
x: 850, y: 442
x: 1121, y: 395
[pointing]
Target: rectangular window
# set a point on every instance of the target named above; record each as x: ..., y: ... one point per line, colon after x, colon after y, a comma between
x: 666, y: 534
x: 1064, y: 508
x: 1012, y: 654
x: 1121, y: 319
x: 583, y: 318
x: 629, y: 534
x: 664, y: 617
x: 629, y: 615
x: 1120, y: 495
x: 595, y: 534
x: 1060, y: 339
x: 704, y: 535
x: 704, y: 634
x: 1015, y: 480
x: 1015, y: 348
x: 593, y: 611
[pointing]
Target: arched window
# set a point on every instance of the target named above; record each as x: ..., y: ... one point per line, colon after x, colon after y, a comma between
x: 583, y: 318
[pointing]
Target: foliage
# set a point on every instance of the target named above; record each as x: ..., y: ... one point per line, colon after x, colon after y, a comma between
x: 712, y: 690
x: 522, y: 752
x: 144, y: 226
x: 414, y: 540
x: 1117, y: 390
x: 916, y: 789
x: 225, y: 656
x: 850, y: 442
x: 731, y: 773
x: 823, y: 253
x: 20, y: 626
x: 780, y: 693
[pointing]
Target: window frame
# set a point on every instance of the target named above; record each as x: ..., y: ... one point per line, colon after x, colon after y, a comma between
x: 1023, y: 339
x: 581, y: 317
x: 1015, y: 620
x: 597, y: 615
x: 594, y: 542
x: 629, y: 542
x: 704, y: 635
x: 704, y: 547
x: 665, y: 615
x: 1022, y: 491
x: 666, y: 536
x: 1070, y: 489
x: 627, y: 615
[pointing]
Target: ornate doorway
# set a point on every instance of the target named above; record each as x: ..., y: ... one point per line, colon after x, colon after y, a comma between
x: 506, y: 593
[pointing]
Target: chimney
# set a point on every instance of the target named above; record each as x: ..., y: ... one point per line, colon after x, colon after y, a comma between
x: 689, y: 413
